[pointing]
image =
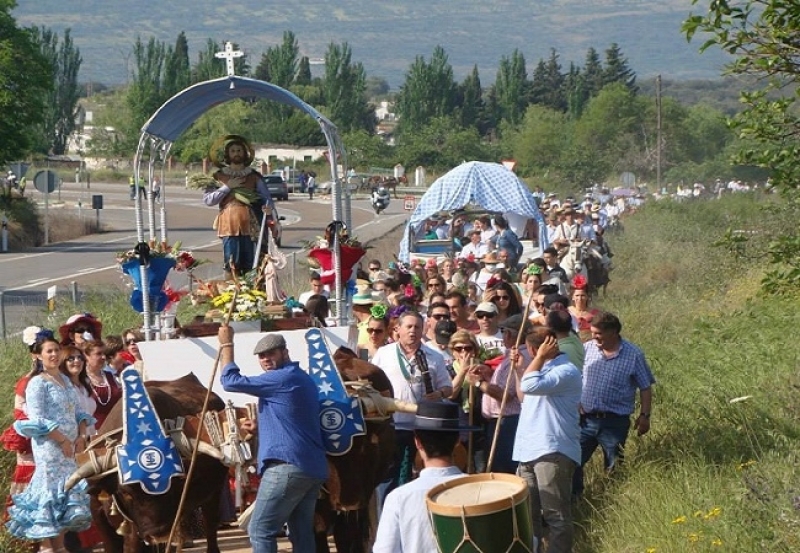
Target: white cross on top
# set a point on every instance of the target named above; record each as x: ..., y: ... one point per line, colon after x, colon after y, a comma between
x: 229, y: 54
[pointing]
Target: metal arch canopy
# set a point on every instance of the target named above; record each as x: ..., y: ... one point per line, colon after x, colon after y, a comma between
x: 180, y: 111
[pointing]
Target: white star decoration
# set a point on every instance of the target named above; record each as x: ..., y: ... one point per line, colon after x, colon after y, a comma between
x: 325, y: 388
x: 143, y: 428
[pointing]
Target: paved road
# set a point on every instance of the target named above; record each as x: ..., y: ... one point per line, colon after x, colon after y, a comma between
x: 90, y: 260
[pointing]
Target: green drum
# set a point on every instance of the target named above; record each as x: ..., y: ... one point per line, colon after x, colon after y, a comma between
x: 482, y: 513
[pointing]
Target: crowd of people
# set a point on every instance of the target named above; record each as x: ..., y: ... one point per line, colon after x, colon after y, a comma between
x: 59, y: 404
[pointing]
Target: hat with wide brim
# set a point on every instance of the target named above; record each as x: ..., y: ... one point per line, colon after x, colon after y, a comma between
x: 439, y: 416
x: 80, y: 319
x: 363, y: 296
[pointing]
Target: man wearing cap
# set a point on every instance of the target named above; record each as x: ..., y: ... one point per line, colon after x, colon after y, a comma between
x: 489, y: 336
x: 417, y: 372
x: 496, y: 388
x: 567, y: 231
x: 291, y: 457
x: 405, y: 526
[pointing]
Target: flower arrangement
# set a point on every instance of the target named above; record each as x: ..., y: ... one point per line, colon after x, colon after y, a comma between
x: 250, y: 302
x: 184, y: 259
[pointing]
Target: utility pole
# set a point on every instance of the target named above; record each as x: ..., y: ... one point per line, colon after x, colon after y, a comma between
x: 658, y: 133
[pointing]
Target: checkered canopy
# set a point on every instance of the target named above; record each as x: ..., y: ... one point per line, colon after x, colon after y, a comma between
x: 489, y: 185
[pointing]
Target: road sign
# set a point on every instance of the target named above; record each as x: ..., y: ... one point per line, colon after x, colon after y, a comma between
x: 409, y: 202
x: 45, y: 181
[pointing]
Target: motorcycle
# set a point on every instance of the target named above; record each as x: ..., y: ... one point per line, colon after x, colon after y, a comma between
x: 380, y: 199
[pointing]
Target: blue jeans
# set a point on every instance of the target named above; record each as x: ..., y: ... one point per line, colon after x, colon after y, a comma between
x: 241, y: 249
x: 286, y: 494
x: 610, y: 434
x: 502, y: 461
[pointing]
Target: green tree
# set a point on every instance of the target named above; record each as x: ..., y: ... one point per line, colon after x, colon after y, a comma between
x: 616, y: 69
x: 376, y: 87
x: 761, y: 35
x: 146, y: 90
x: 61, y: 104
x: 511, y: 86
x: 303, y: 72
x: 429, y: 91
x: 279, y: 64
x: 542, y: 137
x: 471, y: 102
x: 365, y: 150
x: 25, y: 79
x: 593, y: 77
x: 441, y: 144
x: 575, y: 91
x: 177, y: 67
x: 208, y: 66
x: 344, y: 88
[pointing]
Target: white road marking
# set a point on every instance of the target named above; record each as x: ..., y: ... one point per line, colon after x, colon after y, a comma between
x: 34, y: 283
x: 5, y: 259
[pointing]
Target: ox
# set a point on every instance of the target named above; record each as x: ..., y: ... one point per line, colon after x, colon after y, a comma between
x: 344, y: 504
x: 151, y: 516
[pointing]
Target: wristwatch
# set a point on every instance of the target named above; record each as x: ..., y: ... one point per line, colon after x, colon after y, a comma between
x: 478, y: 384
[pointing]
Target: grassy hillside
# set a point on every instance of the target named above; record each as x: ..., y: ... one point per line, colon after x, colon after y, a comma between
x: 387, y: 35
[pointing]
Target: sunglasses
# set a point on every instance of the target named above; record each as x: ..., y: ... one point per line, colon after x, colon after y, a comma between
x: 484, y: 315
x: 80, y: 330
x: 374, y: 330
x: 440, y: 316
x: 462, y: 348
x: 76, y: 358
x: 131, y: 341
x: 503, y: 298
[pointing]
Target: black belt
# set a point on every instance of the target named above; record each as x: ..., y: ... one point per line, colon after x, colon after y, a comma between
x: 605, y: 415
x: 273, y: 463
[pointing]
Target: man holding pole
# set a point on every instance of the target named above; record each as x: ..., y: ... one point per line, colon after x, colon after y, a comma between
x: 241, y: 199
x: 291, y: 457
x: 547, y: 445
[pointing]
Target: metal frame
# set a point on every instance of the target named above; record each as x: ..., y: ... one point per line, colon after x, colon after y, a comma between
x: 175, y: 116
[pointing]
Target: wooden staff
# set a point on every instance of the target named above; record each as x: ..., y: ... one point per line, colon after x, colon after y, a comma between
x: 471, y: 416
x: 201, y: 418
x: 511, y: 372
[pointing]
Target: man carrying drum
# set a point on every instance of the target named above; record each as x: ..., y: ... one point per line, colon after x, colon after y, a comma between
x: 404, y: 525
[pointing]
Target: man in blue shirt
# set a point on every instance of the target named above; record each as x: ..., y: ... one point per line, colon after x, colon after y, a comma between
x: 547, y: 445
x: 613, y: 370
x: 291, y: 457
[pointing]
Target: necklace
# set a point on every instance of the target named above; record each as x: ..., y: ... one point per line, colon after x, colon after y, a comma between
x: 97, y: 392
x: 54, y: 380
x: 237, y: 172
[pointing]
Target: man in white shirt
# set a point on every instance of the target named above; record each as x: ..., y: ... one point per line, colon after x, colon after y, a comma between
x: 417, y: 372
x: 489, y: 336
x: 316, y: 288
x: 405, y: 526
x: 475, y: 247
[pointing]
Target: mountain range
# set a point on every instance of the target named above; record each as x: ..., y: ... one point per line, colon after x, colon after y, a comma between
x: 386, y: 35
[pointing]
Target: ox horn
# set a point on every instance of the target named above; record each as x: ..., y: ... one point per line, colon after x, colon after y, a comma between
x: 185, y: 448
x: 93, y: 467
x: 375, y: 405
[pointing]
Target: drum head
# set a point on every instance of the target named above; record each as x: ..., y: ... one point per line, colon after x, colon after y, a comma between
x: 477, y: 494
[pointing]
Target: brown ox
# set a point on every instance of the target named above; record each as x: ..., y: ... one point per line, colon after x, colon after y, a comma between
x: 151, y: 516
x: 354, y: 476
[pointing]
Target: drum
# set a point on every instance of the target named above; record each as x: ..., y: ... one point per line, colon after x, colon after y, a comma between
x: 482, y: 513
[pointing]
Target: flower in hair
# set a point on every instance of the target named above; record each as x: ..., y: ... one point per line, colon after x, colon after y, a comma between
x: 416, y: 281
x: 378, y: 311
x: 579, y: 282
x: 494, y: 279
x: 409, y: 291
x: 397, y: 310
x: 533, y: 269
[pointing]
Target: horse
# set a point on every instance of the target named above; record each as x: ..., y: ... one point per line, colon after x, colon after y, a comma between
x: 584, y: 258
x: 573, y: 260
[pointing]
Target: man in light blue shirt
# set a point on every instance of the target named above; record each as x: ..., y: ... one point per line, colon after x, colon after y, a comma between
x: 547, y: 444
x: 405, y: 526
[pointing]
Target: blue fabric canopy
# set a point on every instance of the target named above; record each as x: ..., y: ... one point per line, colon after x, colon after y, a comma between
x: 489, y: 185
x: 180, y: 111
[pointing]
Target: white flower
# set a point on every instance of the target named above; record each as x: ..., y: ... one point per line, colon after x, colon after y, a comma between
x: 29, y: 335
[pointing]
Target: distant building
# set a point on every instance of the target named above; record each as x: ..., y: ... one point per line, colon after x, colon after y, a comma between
x: 383, y: 112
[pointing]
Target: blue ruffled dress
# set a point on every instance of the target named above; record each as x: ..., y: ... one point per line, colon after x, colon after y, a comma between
x: 44, y: 509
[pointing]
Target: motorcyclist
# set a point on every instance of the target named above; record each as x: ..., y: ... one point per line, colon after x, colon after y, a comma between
x: 380, y: 198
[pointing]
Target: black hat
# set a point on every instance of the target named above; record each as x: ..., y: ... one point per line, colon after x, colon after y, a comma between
x: 439, y: 416
x: 443, y: 331
x: 513, y: 323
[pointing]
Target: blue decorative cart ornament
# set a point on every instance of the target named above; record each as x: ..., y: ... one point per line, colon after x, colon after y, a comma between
x: 157, y: 272
x: 340, y: 415
x: 147, y: 455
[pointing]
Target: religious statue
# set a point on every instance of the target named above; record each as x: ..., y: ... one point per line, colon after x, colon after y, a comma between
x: 245, y: 204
